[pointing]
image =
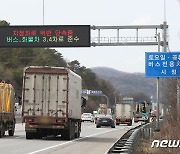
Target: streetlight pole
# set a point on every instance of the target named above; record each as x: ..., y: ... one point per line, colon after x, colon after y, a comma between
x: 107, y: 99
x: 43, y: 12
x: 115, y: 100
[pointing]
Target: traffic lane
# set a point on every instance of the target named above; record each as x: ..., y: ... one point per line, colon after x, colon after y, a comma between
x: 97, y: 143
x: 93, y: 130
x: 100, y: 140
x: 19, y: 145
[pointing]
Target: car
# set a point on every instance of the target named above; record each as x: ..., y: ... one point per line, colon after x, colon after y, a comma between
x: 87, y: 117
x: 105, y: 120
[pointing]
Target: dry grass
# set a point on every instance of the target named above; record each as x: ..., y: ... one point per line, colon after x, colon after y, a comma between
x: 145, y: 147
x: 169, y: 131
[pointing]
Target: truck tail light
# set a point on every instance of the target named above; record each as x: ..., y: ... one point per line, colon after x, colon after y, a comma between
x: 29, y: 120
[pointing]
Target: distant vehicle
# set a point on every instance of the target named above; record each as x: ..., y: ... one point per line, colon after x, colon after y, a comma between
x: 124, y: 114
x: 52, y: 102
x: 124, y: 111
x: 87, y: 117
x: 7, y: 115
x: 103, y: 109
x: 94, y: 113
x: 105, y: 120
x: 142, y: 112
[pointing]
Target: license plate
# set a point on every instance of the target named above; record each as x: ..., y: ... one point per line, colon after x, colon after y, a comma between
x: 44, y: 120
x: 104, y: 120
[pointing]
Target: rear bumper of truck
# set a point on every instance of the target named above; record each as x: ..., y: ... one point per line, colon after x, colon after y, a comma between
x: 33, y: 124
x: 31, y: 127
x: 136, y: 119
x: 7, y: 121
x: 123, y: 121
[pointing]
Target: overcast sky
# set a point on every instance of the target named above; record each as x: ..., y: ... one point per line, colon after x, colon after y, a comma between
x: 99, y: 13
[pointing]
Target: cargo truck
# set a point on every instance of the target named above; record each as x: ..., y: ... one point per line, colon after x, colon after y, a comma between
x: 7, y: 102
x: 142, y: 111
x: 124, y: 112
x: 51, y: 102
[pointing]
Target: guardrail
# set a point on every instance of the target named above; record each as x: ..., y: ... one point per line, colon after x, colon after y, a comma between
x: 127, y: 143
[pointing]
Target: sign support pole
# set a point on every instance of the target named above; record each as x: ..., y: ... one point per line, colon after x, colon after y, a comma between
x: 157, y: 120
x: 164, y: 81
x: 178, y: 99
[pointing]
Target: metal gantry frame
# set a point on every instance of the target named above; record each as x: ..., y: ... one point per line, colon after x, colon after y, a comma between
x: 135, y: 40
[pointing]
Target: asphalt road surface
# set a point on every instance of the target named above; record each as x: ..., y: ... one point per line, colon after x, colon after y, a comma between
x: 92, y: 141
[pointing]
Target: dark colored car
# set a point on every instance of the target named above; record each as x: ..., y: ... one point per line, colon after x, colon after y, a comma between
x: 105, y: 120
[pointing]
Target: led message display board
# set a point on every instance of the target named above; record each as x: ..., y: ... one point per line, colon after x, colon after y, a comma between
x: 45, y: 36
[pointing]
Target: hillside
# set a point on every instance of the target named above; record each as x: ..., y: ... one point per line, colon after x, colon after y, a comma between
x: 127, y: 82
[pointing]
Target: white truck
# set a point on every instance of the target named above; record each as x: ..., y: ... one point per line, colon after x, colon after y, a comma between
x: 124, y: 112
x: 51, y: 100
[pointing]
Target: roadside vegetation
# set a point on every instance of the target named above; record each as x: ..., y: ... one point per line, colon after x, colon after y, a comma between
x: 169, y: 130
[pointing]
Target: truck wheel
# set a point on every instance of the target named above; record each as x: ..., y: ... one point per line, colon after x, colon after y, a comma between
x: 130, y: 124
x: 11, y: 132
x: 29, y: 135
x: 69, y: 134
x: 66, y: 135
x: 2, y: 132
x: 97, y: 126
x: 77, y: 134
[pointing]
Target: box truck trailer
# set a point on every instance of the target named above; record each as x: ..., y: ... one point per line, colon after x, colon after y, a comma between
x: 51, y: 102
x: 124, y: 112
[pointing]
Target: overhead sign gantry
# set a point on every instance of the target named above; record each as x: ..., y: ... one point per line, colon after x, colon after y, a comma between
x: 80, y: 36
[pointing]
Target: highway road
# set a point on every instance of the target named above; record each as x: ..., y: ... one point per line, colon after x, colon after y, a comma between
x: 92, y: 141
